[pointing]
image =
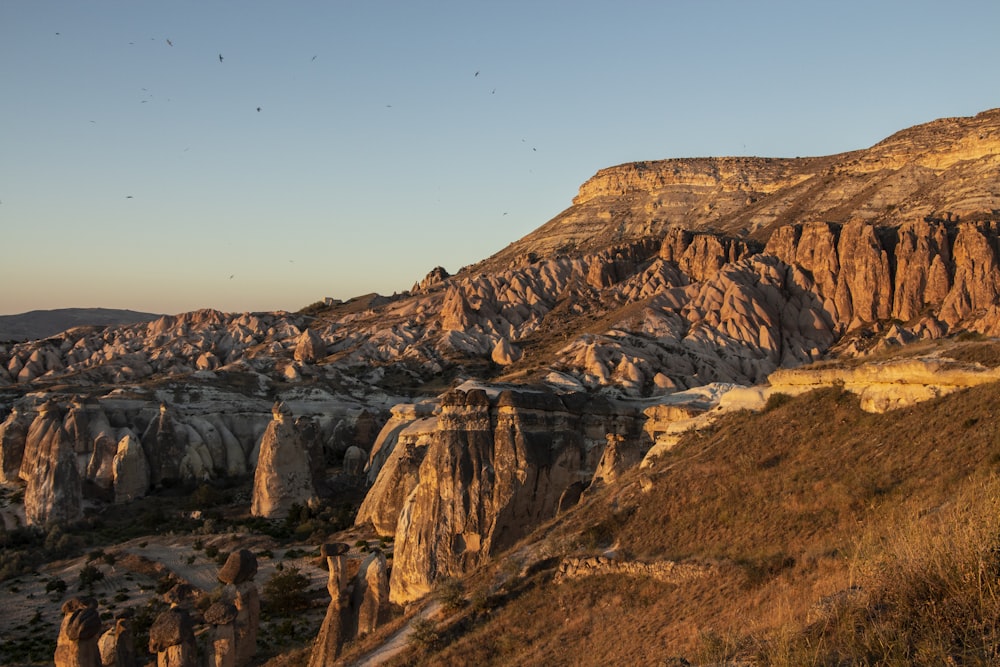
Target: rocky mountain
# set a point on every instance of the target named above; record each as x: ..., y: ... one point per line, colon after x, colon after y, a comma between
x: 44, y: 323
x: 490, y: 401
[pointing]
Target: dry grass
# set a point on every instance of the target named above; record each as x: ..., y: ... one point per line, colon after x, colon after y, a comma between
x: 797, y: 505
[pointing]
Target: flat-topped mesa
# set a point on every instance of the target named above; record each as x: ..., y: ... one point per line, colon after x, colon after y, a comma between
x: 732, y: 175
x: 946, y: 165
x: 939, y: 144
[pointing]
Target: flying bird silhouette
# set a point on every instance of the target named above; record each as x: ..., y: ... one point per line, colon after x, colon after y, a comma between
x: 169, y: 43
x: 231, y: 275
x: 258, y: 109
x: 129, y: 197
x: 313, y: 58
x: 476, y: 74
x: 220, y: 57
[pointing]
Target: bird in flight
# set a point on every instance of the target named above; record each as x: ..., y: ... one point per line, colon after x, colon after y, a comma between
x: 220, y: 57
x: 258, y: 109
x: 129, y: 197
x: 231, y: 275
x: 169, y: 43
x: 313, y: 58
x: 476, y: 74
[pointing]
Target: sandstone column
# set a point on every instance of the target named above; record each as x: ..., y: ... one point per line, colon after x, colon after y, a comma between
x: 116, y: 645
x: 370, y: 598
x: 171, y: 638
x: 240, y: 591
x: 222, y: 650
x: 332, y: 633
x: 77, y: 643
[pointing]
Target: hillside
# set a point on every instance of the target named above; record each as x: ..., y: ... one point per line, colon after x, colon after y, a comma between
x: 799, y: 520
x: 44, y: 323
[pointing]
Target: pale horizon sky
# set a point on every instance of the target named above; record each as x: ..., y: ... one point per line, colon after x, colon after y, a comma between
x: 136, y: 170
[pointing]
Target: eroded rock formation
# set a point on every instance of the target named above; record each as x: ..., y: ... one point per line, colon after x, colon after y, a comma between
x: 288, y: 466
x: 78, y: 634
x: 53, y: 492
x: 493, y: 468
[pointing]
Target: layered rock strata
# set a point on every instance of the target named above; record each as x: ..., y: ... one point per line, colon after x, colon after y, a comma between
x: 494, y: 467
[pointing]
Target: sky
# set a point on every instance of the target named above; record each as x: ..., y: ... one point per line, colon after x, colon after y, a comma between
x: 255, y: 156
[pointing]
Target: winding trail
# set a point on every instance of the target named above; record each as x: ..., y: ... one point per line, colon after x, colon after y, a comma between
x: 398, y: 641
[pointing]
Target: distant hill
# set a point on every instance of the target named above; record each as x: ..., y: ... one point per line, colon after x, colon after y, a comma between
x: 44, y: 323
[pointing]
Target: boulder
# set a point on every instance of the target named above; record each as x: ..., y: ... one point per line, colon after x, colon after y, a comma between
x: 240, y: 567
x: 309, y: 347
x: 171, y: 638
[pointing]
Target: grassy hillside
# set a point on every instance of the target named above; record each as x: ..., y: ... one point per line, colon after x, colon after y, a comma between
x: 837, y: 536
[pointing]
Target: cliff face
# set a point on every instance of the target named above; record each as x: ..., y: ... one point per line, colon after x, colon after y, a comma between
x: 945, y: 165
x: 495, y: 466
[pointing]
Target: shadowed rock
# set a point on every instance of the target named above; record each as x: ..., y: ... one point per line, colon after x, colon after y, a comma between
x: 77, y: 642
x: 171, y: 638
x: 240, y: 567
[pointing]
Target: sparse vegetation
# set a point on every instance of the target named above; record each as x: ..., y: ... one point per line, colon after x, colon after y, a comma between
x: 840, y: 537
x: 286, y: 592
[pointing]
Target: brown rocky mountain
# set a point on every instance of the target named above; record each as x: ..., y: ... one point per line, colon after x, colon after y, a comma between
x: 43, y: 323
x: 490, y: 400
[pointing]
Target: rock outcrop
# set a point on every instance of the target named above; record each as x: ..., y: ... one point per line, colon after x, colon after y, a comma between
x: 130, y: 472
x: 222, y: 617
x: 172, y: 640
x: 239, y: 590
x: 287, y: 467
x: 53, y: 493
x: 78, y: 634
x: 165, y: 445
x: 13, y: 437
x: 357, y: 605
x: 332, y: 632
x: 494, y: 468
x: 117, y: 645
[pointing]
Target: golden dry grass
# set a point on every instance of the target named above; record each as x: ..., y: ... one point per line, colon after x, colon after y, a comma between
x: 799, y: 506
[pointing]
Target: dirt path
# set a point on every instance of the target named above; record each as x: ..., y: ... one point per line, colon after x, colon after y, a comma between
x: 398, y: 641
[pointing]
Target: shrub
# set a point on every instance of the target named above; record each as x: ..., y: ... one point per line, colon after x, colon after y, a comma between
x: 55, y: 585
x: 776, y: 400
x: 451, y: 593
x: 286, y: 592
x: 89, y: 575
x: 424, y: 632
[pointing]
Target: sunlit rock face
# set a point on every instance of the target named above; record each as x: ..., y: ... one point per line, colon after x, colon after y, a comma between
x: 496, y: 465
x: 288, y: 466
x: 662, y: 277
x: 130, y: 471
x: 53, y: 490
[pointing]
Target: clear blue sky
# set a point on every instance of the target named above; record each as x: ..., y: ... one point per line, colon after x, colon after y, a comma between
x: 137, y: 173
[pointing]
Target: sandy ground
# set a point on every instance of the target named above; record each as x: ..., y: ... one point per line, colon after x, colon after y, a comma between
x: 399, y: 640
x: 24, y: 597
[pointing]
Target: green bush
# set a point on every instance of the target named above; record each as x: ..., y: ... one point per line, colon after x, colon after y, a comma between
x: 425, y: 633
x: 286, y: 592
x: 89, y: 575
